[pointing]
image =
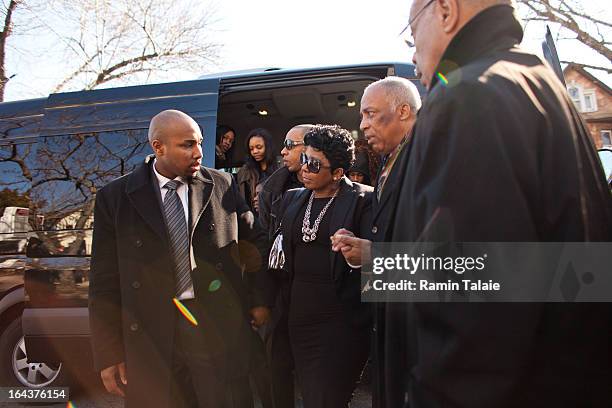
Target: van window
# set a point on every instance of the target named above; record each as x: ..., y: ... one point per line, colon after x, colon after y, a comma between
x: 70, y: 170
x: 17, y: 158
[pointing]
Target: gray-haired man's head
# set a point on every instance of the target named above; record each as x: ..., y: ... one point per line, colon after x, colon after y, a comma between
x: 388, y: 112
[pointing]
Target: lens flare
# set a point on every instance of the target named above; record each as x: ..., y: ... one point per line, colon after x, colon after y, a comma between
x: 214, y: 285
x: 70, y: 405
x: 442, y: 78
x: 181, y: 307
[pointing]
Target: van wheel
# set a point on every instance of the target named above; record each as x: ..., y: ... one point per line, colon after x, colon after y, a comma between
x: 15, y: 370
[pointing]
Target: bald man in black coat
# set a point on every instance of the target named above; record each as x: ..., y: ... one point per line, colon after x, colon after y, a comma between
x: 499, y: 153
x: 143, y: 345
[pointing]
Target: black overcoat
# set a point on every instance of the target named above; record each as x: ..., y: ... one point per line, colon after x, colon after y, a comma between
x: 382, y: 211
x: 499, y: 153
x: 132, y: 283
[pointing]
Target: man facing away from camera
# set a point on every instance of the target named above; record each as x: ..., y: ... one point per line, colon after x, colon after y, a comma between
x: 169, y: 306
x: 499, y: 153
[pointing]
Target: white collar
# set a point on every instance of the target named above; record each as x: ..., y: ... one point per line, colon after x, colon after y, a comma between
x: 162, y: 180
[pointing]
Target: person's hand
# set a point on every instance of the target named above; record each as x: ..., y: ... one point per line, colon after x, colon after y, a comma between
x: 355, y: 250
x: 337, y: 242
x: 109, y: 378
x: 248, y: 218
x: 260, y: 315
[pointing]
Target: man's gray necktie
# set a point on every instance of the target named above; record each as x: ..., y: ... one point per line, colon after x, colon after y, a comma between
x: 179, y: 236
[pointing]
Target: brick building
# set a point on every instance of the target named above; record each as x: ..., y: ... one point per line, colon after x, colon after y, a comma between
x: 593, y: 99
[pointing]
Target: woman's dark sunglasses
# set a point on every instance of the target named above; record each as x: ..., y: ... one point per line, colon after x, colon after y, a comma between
x: 313, y: 165
x: 290, y: 144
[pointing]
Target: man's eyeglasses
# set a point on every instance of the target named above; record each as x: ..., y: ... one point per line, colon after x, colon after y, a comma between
x: 417, y: 14
x: 290, y: 144
x: 313, y: 165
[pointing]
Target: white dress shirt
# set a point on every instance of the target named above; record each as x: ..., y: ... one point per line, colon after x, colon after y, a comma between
x: 183, y: 192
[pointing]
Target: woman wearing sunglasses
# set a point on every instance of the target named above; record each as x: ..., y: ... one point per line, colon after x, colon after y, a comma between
x: 260, y: 163
x: 328, y: 325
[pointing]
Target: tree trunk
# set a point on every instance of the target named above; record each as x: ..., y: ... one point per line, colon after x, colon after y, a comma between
x: 6, y: 32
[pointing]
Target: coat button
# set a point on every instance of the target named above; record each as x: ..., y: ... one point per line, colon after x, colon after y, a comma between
x: 134, y: 327
x: 219, y: 266
x: 211, y: 227
x: 138, y: 243
x: 374, y: 229
x: 136, y: 285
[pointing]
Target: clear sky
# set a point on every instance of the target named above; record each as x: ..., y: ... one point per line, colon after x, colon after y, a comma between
x: 287, y: 34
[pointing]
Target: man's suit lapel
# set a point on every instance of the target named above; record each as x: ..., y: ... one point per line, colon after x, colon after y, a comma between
x: 200, y: 191
x: 141, y: 193
x: 390, y: 186
x: 384, y: 197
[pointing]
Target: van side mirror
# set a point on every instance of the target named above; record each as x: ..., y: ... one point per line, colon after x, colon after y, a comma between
x: 605, y: 155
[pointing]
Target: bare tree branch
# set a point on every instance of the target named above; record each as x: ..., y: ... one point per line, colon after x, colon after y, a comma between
x: 102, y: 41
x: 574, y: 12
x: 585, y: 28
x: 127, y: 38
x: 19, y: 159
x: 83, y: 68
x: 105, y: 75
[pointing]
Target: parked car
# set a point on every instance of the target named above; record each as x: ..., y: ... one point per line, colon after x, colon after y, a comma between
x: 15, y: 368
x: 605, y: 155
x: 56, y: 152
